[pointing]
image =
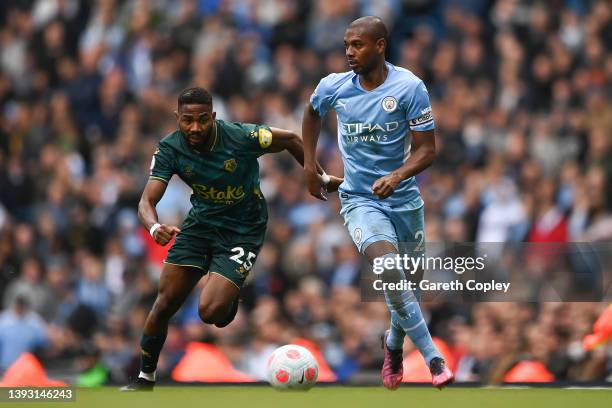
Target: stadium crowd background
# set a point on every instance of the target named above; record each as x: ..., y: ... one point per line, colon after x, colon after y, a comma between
x: 521, y: 94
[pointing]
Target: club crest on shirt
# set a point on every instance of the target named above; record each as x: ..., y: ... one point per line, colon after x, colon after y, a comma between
x: 389, y: 104
x: 242, y: 271
x: 230, y: 165
x: 188, y: 171
x: 357, y: 235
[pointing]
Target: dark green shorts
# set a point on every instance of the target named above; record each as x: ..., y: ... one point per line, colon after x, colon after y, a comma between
x: 216, y: 250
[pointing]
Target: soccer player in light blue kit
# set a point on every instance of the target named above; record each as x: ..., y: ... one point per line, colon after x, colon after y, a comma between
x: 386, y: 137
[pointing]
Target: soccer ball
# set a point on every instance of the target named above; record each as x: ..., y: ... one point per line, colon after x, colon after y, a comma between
x: 292, y: 367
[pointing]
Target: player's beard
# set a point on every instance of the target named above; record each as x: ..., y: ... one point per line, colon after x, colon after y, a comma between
x: 198, y: 140
x: 365, y: 68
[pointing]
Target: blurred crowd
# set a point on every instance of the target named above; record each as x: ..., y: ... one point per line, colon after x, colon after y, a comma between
x: 521, y: 94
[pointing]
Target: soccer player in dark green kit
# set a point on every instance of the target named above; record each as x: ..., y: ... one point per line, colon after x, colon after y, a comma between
x: 224, y: 230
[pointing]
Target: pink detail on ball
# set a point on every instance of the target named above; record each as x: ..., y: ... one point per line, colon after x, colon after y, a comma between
x: 282, y: 376
x: 270, y: 359
x: 310, y: 374
x: 293, y: 354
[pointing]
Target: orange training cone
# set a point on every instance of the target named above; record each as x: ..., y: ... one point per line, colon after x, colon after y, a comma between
x: 204, y: 362
x: 27, y: 371
x: 602, y: 330
x: 529, y: 372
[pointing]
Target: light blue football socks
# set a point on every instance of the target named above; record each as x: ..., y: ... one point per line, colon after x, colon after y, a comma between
x: 406, y: 316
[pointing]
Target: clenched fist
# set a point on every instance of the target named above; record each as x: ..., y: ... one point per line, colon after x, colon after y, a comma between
x: 386, y: 185
x: 164, y: 234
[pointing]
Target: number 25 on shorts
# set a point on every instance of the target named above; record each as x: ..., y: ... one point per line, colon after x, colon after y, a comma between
x: 239, y: 253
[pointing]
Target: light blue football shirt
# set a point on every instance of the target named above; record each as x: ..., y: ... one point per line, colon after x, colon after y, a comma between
x: 373, y: 128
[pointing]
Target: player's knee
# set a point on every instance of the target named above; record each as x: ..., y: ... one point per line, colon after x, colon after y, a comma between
x: 164, y: 308
x: 212, y: 313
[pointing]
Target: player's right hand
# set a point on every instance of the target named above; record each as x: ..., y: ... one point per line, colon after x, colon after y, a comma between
x: 334, y: 183
x: 315, y: 184
x: 165, y: 233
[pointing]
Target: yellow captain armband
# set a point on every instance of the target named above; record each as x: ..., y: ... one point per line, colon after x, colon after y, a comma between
x: 265, y: 138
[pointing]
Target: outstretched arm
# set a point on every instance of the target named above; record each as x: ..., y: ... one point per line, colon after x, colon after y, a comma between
x: 311, y: 127
x: 287, y: 140
x: 147, y: 214
x: 422, y: 155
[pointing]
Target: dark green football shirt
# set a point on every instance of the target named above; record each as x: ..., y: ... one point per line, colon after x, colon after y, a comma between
x: 225, y: 181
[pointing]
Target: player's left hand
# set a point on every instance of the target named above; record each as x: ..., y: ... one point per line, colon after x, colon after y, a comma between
x: 386, y: 185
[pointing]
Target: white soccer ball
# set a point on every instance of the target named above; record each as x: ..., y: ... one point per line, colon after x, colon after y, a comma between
x: 292, y: 367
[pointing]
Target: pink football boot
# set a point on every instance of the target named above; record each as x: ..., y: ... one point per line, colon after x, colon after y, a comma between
x: 393, y: 366
x: 441, y: 375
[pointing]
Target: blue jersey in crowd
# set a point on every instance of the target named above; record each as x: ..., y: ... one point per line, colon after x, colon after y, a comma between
x: 373, y: 128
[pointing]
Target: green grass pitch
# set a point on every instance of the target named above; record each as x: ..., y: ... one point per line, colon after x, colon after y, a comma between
x: 336, y: 397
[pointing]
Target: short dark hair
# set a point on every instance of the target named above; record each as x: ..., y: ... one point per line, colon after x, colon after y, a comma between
x: 196, y: 96
x: 373, y: 25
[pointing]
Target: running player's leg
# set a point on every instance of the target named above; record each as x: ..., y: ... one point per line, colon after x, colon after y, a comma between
x: 218, y: 299
x: 187, y: 260
x: 233, y: 257
x: 175, y: 284
x: 376, y: 236
x: 372, y: 230
x: 409, y: 226
x: 405, y: 313
x: 392, y: 371
x: 403, y: 304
